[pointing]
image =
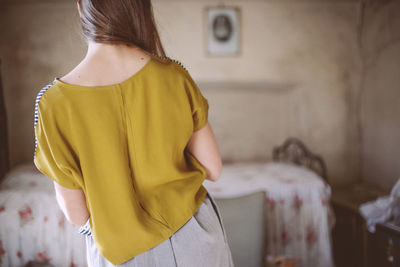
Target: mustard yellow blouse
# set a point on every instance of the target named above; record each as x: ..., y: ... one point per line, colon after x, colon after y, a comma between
x: 124, y: 145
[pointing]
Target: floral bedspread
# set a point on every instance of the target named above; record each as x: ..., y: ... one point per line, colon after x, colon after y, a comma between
x: 298, y: 214
x: 32, y: 226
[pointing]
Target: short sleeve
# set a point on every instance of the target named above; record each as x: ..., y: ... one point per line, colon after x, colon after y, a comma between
x: 52, y: 155
x: 199, y: 104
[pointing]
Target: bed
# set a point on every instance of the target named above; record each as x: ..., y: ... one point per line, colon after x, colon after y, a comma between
x: 32, y: 226
x: 297, y: 218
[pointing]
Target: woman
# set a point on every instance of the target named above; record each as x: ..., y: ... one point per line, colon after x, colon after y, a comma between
x: 125, y: 138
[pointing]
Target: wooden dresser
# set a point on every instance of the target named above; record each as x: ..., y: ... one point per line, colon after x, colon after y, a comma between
x: 353, y: 245
x: 384, y: 248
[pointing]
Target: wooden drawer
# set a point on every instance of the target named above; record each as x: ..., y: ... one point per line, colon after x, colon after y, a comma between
x: 384, y: 247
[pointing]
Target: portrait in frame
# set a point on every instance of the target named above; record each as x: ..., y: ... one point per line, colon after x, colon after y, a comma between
x: 222, y: 30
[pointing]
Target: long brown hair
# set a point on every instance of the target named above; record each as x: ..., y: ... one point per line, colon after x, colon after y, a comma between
x: 129, y: 22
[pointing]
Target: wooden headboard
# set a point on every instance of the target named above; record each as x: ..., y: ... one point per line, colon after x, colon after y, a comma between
x: 4, y: 152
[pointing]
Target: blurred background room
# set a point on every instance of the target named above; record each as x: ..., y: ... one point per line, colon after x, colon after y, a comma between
x: 304, y: 101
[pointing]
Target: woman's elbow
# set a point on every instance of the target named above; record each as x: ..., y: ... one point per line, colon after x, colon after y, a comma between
x: 215, y: 172
x: 77, y: 218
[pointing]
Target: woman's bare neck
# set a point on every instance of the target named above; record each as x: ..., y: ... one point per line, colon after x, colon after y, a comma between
x: 106, y: 64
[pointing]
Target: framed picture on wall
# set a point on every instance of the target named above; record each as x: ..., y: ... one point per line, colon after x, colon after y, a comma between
x: 222, y: 24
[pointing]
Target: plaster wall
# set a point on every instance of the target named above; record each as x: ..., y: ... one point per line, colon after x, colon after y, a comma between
x: 380, y: 102
x: 297, y: 74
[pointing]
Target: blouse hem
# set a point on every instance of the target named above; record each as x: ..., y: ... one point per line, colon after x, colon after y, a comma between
x: 169, y: 232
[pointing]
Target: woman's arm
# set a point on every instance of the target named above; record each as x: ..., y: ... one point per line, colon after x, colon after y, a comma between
x: 73, y: 204
x: 203, y: 146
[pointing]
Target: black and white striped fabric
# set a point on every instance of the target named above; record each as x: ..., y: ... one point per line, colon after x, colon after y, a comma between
x: 39, y: 95
x: 85, y: 229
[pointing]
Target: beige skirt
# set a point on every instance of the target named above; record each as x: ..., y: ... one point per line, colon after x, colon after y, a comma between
x: 201, y: 242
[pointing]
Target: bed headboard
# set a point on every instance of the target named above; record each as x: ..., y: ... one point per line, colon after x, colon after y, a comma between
x: 295, y: 151
x: 4, y: 155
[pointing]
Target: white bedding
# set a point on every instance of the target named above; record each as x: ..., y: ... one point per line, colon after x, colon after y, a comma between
x: 298, y: 215
x: 32, y: 226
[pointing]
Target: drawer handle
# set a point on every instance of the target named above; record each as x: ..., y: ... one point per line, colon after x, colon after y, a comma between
x: 390, y: 257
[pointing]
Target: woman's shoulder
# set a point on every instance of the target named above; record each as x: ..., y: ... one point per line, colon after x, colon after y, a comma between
x: 175, y: 64
x: 45, y: 91
x: 170, y: 60
x: 50, y: 97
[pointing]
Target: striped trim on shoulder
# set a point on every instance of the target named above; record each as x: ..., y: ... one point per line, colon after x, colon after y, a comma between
x: 39, y: 95
x: 170, y: 59
x: 179, y: 63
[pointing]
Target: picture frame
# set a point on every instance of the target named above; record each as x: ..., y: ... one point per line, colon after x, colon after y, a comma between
x: 222, y: 30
